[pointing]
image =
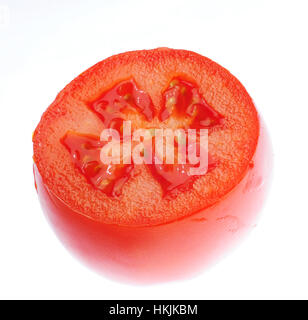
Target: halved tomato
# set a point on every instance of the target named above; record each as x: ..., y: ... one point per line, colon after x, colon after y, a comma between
x: 152, y: 220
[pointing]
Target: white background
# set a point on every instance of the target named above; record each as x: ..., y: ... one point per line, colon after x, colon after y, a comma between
x: 45, y: 44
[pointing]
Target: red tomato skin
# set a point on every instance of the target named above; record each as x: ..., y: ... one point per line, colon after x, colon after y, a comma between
x: 167, y: 252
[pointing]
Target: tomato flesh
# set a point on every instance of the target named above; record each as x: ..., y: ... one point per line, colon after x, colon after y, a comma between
x: 181, y: 99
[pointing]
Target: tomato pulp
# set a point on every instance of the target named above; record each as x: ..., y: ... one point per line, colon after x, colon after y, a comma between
x: 151, y: 221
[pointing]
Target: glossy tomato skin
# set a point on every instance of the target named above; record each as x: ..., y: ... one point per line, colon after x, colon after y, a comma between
x: 170, y: 251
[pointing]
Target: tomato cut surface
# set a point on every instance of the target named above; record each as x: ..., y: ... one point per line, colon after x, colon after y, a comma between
x: 154, y: 89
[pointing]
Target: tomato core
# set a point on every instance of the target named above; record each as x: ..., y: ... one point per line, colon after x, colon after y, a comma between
x: 181, y: 100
